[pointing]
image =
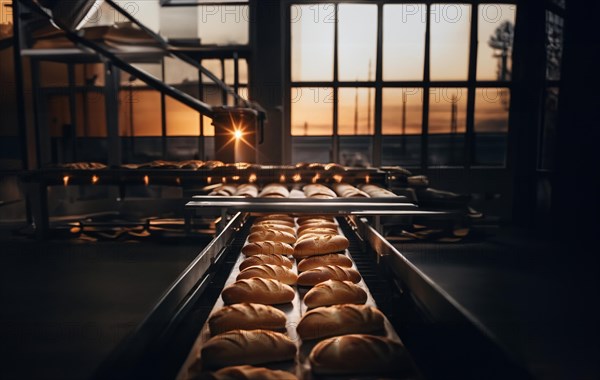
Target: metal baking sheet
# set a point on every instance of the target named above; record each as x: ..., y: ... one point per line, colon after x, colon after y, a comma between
x: 294, y: 311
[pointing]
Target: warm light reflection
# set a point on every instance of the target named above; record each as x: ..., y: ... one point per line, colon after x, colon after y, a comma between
x: 208, y: 180
x: 224, y: 180
x: 95, y: 179
x: 297, y: 177
x: 235, y: 178
x: 367, y: 179
x: 66, y: 180
x: 178, y: 180
x: 282, y: 178
x: 146, y: 180
x: 315, y: 178
x: 252, y: 178
x: 238, y: 134
x: 338, y: 178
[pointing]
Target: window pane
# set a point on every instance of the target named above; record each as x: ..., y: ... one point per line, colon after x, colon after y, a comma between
x: 312, y: 42
x: 554, y: 45
x: 311, y: 149
x: 181, y: 119
x: 447, y: 124
x: 356, y: 111
x: 356, y: 151
x: 450, y: 24
x: 401, y: 150
x: 447, y: 110
x: 495, y: 41
x: 402, y: 111
x: 312, y: 111
x: 403, y: 41
x: 223, y: 24
x: 230, y: 71
x: 491, y: 125
x: 357, y: 42
x: 146, y: 113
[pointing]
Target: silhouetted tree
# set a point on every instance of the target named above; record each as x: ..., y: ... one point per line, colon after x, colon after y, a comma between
x: 502, y: 40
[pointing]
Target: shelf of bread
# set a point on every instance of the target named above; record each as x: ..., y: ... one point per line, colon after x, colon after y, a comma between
x: 295, y: 307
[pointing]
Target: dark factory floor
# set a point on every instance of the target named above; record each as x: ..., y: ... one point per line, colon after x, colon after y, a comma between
x: 64, y: 306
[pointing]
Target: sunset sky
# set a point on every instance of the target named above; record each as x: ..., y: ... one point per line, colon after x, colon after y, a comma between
x: 312, y: 28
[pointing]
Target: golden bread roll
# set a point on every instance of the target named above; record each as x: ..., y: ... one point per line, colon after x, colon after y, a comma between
x: 346, y: 190
x: 246, y: 316
x: 274, y: 221
x: 272, y: 235
x: 276, y: 190
x: 335, y: 292
x: 359, y: 354
x: 321, y: 260
x: 258, y: 290
x: 246, y: 347
x: 315, y: 219
x: 323, y: 224
x: 376, y: 192
x: 328, y: 272
x: 324, y: 322
x: 268, y: 248
x: 276, y: 272
x: 274, y: 217
x: 248, y: 372
x: 319, y: 230
x: 261, y: 259
x: 247, y: 190
x: 224, y: 190
x: 320, y: 245
x: 315, y: 190
x: 272, y: 226
x: 312, y: 235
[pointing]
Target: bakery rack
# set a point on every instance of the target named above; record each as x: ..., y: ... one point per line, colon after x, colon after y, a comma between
x: 443, y: 339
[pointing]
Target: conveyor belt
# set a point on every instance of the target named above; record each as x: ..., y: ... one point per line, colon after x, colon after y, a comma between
x: 416, y: 308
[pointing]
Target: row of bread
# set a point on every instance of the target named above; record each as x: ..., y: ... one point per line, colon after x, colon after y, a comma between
x: 196, y: 164
x: 249, y: 330
x: 313, y: 190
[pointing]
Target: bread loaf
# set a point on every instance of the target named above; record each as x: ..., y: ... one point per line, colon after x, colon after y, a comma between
x: 314, y: 218
x: 247, y: 190
x: 312, y: 235
x: 258, y: 290
x: 336, y: 320
x: 246, y: 316
x: 272, y: 235
x: 335, y: 292
x: 224, y: 190
x: 274, y: 190
x: 267, y: 247
x: 272, y: 226
x: 359, y: 354
x: 279, y: 217
x: 246, y: 347
x: 261, y: 259
x: 276, y: 272
x: 315, y: 190
x: 346, y: 190
x: 320, y: 245
x: 376, y: 192
x: 321, y: 260
x: 318, y: 230
x: 312, y: 225
x: 248, y: 372
x: 275, y: 221
x: 329, y: 272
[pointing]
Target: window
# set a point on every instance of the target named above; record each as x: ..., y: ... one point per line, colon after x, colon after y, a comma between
x: 442, y: 86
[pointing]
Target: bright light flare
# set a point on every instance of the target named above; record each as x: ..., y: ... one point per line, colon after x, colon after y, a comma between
x: 252, y: 178
x: 238, y: 134
x: 338, y: 178
x: 66, y: 180
x: 146, y: 180
x: 95, y: 179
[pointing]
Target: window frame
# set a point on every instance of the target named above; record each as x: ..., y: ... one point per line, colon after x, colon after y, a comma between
x: 426, y: 84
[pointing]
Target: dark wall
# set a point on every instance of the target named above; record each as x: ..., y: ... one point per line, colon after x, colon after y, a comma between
x: 575, y: 203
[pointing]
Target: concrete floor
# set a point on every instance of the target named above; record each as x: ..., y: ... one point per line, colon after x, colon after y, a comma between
x: 64, y: 306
